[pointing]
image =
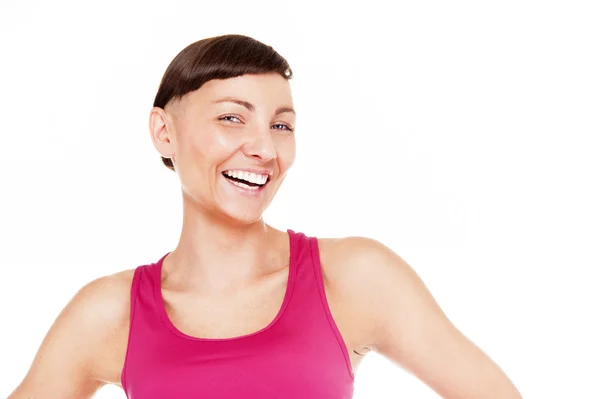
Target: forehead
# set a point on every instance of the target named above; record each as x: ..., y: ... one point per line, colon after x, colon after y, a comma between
x: 263, y: 90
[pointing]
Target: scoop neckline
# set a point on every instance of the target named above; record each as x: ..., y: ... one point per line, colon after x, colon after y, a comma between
x: 286, y: 299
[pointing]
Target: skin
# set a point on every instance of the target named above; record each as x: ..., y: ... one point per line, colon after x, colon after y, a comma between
x: 378, y: 301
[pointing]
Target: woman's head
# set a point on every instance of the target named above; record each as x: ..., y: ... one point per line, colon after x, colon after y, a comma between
x: 223, y: 109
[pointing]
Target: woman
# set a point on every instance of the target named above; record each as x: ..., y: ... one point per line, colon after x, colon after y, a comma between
x: 239, y: 308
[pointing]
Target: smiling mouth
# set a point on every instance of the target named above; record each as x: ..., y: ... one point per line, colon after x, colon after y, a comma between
x: 245, y: 183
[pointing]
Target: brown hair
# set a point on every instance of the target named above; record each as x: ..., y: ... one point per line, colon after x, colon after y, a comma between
x: 218, y: 57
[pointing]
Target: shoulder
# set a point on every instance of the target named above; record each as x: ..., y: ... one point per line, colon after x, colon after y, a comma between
x: 106, y: 294
x: 372, y: 281
x: 97, y: 317
x: 102, y: 303
x: 97, y: 305
x: 85, y: 346
x: 361, y: 259
x: 404, y: 323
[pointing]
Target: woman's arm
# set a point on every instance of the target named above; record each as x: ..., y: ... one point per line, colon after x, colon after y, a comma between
x: 411, y: 330
x: 81, y: 351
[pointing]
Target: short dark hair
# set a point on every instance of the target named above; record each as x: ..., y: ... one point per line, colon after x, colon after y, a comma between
x: 218, y: 57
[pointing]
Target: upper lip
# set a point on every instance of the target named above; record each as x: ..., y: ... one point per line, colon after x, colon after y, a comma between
x: 251, y: 170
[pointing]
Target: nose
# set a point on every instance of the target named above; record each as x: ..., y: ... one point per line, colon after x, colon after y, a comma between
x: 261, y: 146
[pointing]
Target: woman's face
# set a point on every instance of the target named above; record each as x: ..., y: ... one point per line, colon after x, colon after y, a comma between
x: 231, y: 141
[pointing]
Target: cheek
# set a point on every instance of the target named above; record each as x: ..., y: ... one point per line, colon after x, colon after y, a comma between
x: 221, y: 143
x: 206, y: 145
x: 286, y: 153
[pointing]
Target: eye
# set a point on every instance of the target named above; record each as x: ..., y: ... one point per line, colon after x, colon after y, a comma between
x: 229, y: 117
x: 288, y: 127
x: 224, y: 117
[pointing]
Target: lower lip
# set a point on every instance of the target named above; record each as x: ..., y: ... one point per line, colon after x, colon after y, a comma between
x: 246, y: 191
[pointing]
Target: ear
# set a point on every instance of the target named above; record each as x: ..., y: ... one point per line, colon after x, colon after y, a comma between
x: 161, y: 132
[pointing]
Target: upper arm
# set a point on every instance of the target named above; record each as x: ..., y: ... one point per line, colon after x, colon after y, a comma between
x: 72, y: 360
x: 411, y: 330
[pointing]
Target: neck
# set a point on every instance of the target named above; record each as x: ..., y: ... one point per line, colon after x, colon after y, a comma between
x: 216, y: 255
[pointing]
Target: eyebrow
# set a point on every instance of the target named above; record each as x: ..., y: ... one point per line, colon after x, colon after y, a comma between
x: 250, y: 107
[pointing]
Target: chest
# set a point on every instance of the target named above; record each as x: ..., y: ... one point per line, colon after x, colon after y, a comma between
x: 242, y: 315
x: 229, y: 350
x: 223, y: 318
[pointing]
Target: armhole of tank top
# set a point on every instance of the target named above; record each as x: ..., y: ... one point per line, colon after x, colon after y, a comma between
x: 316, y: 261
x: 132, y: 306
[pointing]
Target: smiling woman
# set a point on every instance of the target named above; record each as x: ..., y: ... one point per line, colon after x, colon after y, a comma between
x: 239, y: 308
x: 235, y: 135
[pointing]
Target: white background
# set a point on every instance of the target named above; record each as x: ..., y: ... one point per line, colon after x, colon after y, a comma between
x: 464, y: 135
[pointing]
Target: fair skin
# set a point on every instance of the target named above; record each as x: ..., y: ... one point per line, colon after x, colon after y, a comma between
x: 377, y: 300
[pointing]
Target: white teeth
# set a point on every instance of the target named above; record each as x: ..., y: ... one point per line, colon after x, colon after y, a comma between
x: 248, y: 176
x: 247, y: 187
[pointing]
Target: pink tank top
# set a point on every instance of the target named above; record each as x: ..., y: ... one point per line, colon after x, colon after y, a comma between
x: 299, y: 355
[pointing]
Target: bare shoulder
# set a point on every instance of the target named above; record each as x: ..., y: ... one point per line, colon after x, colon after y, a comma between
x: 108, y: 295
x: 368, y: 279
x: 373, y: 279
x: 354, y: 270
x: 104, y: 306
x: 406, y: 324
x: 85, y: 346
x: 358, y: 263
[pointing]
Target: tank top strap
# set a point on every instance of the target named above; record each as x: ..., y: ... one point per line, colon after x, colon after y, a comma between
x: 143, y: 310
x: 134, y: 291
x: 300, y: 256
x: 311, y: 290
